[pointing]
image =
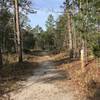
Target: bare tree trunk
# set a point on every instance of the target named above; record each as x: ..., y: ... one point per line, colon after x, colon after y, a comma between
x: 19, y: 35
x: 83, y: 46
x: 1, y: 42
x: 2, y: 33
x: 74, y: 40
x: 82, y: 56
x: 1, y: 62
x: 65, y: 41
x: 86, y: 50
x: 70, y: 35
x: 14, y: 28
x: 15, y: 37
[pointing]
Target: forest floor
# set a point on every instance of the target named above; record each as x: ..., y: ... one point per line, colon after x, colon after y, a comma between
x: 50, y: 77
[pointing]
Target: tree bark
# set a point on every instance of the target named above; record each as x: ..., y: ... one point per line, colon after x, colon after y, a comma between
x: 1, y: 62
x: 74, y: 40
x: 19, y: 35
x: 14, y: 29
x: 83, y: 56
x: 70, y: 35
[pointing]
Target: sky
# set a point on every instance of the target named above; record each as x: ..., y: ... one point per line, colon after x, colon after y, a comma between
x: 45, y: 8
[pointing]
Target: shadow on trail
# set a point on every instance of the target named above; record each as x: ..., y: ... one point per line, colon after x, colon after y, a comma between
x: 49, y: 73
x: 66, y: 60
x: 62, y: 61
x: 57, y: 76
x: 34, y: 52
x: 94, y: 89
x: 97, y: 94
x: 41, y: 52
x: 13, y: 73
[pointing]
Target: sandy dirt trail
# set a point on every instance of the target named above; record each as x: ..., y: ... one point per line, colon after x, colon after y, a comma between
x: 41, y: 86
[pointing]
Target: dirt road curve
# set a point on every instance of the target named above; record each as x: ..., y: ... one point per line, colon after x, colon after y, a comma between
x: 41, y: 86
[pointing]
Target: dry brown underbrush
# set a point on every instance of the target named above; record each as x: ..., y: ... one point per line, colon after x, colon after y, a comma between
x: 87, y: 83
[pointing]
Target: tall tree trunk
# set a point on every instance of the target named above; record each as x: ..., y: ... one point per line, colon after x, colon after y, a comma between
x: 2, y: 35
x: 19, y: 35
x: 14, y: 29
x: 1, y: 62
x: 67, y: 10
x: 86, y: 49
x: 70, y: 35
x: 65, y: 40
x: 83, y: 46
x: 1, y: 41
x: 74, y: 41
x: 83, y: 56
